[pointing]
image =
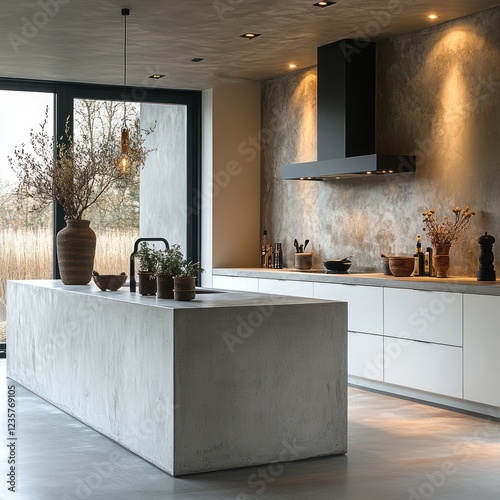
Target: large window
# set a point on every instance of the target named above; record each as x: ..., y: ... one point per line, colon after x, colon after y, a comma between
x: 169, y: 194
x: 26, y: 233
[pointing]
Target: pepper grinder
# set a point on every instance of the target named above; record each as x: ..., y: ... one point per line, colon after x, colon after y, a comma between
x: 278, y: 256
x: 486, y: 270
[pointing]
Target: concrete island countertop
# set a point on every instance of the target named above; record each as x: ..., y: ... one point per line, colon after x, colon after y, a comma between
x: 458, y: 284
x: 206, y: 298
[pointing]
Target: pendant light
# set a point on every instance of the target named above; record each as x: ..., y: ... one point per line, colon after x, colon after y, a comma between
x: 125, y: 136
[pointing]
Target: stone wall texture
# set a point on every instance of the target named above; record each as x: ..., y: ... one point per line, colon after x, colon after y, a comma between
x: 438, y: 96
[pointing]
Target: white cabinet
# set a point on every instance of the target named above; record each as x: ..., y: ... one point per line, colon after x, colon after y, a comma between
x: 422, y: 315
x: 286, y: 287
x: 365, y: 304
x: 236, y: 283
x: 366, y: 355
x: 420, y: 365
x: 482, y: 349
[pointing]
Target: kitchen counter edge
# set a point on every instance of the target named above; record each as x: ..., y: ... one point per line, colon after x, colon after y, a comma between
x: 457, y: 284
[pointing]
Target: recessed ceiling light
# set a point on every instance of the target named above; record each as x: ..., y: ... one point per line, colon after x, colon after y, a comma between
x: 292, y: 66
x: 250, y: 36
x: 156, y: 76
x: 323, y: 4
x: 197, y: 59
x: 432, y: 17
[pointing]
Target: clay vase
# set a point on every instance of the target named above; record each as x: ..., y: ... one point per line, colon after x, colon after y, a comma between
x: 147, y: 283
x: 184, y: 288
x: 75, y: 252
x: 165, y: 286
x: 441, y: 259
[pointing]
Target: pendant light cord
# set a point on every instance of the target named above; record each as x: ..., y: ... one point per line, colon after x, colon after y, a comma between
x: 125, y: 13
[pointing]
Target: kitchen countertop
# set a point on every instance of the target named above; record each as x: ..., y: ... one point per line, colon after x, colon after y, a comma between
x: 457, y: 284
x: 206, y: 298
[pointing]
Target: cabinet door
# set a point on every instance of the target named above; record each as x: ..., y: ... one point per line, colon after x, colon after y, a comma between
x: 366, y: 356
x: 420, y: 315
x: 429, y: 367
x: 365, y: 304
x: 286, y: 287
x: 236, y: 283
x: 482, y: 349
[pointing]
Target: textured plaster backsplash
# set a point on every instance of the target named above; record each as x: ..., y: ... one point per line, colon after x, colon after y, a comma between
x: 438, y: 96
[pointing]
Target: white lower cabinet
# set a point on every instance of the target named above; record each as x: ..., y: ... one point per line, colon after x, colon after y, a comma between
x: 482, y: 349
x: 286, y: 287
x: 420, y: 365
x: 365, y: 304
x: 236, y: 283
x: 423, y: 315
x: 366, y: 356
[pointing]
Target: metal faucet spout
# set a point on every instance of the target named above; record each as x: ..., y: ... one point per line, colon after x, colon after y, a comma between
x: 133, y: 283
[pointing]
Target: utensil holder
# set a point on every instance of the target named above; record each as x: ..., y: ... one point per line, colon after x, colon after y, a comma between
x: 303, y: 260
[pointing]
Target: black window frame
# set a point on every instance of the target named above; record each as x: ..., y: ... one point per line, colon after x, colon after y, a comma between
x: 64, y: 95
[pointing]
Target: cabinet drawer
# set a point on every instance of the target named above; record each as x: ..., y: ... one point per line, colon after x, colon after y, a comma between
x: 482, y: 349
x: 421, y: 315
x: 366, y: 355
x: 365, y: 304
x: 286, y: 287
x: 236, y: 283
x: 428, y: 367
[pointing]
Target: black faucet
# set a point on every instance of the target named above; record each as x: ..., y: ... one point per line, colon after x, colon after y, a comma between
x: 133, y: 284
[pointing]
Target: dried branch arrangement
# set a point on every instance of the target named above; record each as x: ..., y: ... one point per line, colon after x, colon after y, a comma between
x: 450, y: 230
x: 74, y: 173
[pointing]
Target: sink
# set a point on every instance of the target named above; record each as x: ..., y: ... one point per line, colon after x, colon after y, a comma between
x: 317, y: 271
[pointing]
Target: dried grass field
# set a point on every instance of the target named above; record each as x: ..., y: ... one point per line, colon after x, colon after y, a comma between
x: 27, y: 254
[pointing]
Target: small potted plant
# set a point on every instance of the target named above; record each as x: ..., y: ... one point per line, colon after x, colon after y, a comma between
x: 168, y: 265
x: 148, y: 263
x: 185, y: 281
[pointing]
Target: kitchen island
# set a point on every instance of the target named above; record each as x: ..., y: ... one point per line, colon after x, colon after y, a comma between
x: 228, y: 380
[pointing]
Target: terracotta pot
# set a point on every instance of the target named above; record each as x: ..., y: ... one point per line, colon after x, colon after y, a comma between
x: 165, y: 286
x: 401, y: 266
x: 147, y: 283
x: 441, y: 264
x: 184, y: 288
x: 441, y: 259
x: 75, y: 252
x: 441, y: 249
x: 303, y: 260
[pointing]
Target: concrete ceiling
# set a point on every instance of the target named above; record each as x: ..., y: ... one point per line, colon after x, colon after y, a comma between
x: 83, y: 41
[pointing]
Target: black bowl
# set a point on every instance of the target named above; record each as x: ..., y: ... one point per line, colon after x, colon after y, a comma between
x: 337, y: 266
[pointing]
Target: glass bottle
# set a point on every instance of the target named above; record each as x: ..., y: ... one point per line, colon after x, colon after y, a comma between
x: 278, y: 256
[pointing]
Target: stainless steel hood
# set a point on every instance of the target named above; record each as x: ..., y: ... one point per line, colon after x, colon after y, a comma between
x: 346, y: 118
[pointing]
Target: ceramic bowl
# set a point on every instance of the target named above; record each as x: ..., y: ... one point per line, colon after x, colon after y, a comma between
x: 109, y: 281
x: 337, y: 266
x: 385, y: 266
x: 401, y: 266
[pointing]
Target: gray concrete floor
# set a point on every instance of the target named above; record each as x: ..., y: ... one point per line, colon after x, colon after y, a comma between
x: 397, y: 450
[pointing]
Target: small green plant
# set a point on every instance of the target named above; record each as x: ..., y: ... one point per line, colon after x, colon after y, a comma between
x: 169, y: 261
x: 148, y: 258
x: 189, y: 269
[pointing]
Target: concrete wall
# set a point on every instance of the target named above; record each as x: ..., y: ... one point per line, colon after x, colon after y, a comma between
x: 438, y: 96
x: 163, y: 194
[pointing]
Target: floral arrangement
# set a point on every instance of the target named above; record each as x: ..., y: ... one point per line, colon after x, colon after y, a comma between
x: 74, y: 173
x: 451, y: 229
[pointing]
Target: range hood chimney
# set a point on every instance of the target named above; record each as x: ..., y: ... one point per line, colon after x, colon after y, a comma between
x: 346, y: 117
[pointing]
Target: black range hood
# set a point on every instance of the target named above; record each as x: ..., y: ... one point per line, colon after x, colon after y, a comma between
x: 346, y: 118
